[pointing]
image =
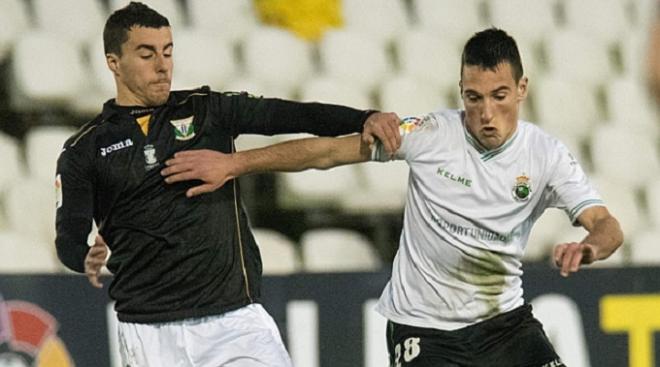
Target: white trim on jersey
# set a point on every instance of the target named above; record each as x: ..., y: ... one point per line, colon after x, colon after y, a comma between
x: 468, y: 215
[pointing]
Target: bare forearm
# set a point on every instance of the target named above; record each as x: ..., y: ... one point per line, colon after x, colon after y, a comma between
x: 606, y: 236
x: 302, y: 154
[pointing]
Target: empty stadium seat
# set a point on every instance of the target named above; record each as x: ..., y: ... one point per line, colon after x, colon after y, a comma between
x: 354, y: 58
x: 590, y: 62
x: 454, y: 21
x: 624, y: 156
x: 630, y: 105
x: 382, y: 189
x: 40, y: 82
x: 277, y: 59
x: 202, y: 59
x: 312, y: 189
x: 337, y: 250
x: 622, y: 202
x: 43, y: 146
x: 329, y: 90
x: 604, y: 20
x: 23, y: 254
x: 644, y: 248
x: 278, y: 253
x: 408, y: 96
x: 652, y: 191
x: 545, y: 234
x: 565, y: 108
x: 14, y: 21
x: 30, y: 207
x: 75, y: 20
x: 12, y: 164
x: 230, y: 19
x: 529, y: 21
x: 430, y: 58
x: 391, y: 18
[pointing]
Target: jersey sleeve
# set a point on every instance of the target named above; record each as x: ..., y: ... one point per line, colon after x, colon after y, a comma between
x: 417, y: 136
x: 248, y: 114
x: 75, y: 205
x: 570, y: 188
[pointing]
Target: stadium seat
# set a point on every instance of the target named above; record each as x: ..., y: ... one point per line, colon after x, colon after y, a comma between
x: 14, y: 21
x: 623, y: 203
x: 354, y: 58
x: 314, y: 189
x: 172, y: 9
x: 391, y: 18
x: 630, y: 105
x: 565, y: 109
x: 408, y: 96
x: 244, y: 83
x: 604, y: 20
x: 590, y: 61
x: 23, y: 254
x: 624, y: 156
x: 74, y: 20
x: 30, y: 206
x: 43, y: 146
x: 577, y: 234
x: 429, y: 58
x: 644, y: 249
x: 202, y: 59
x: 230, y: 19
x: 454, y: 21
x: 382, y: 189
x: 271, y: 55
x: 545, y: 234
x: 530, y: 21
x: 12, y: 164
x: 278, y: 253
x: 337, y: 250
x: 40, y: 82
x: 254, y: 141
x: 329, y: 90
x: 652, y: 191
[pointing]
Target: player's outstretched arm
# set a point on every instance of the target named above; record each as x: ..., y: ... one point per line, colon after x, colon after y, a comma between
x: 383, y: 126
x: 215, y: 168
x: 604, y: 237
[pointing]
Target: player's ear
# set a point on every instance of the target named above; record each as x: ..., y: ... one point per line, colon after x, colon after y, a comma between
x: 522, y: 88
x: 113, y: 63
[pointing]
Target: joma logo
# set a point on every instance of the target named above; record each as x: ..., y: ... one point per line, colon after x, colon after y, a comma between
x: 116, y: 146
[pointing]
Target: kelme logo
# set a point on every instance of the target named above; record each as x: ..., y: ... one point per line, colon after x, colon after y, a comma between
x: 28, y: 337
x: 522, y: 189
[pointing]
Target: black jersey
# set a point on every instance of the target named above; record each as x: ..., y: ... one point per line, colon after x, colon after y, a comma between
x: 173, y: 257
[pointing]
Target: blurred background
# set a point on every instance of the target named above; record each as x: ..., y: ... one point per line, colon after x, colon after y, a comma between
x: 586, y: 63
x: 587, y: 66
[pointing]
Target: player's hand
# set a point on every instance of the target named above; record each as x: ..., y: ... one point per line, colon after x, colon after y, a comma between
x: 384, y: 127
x: 95, y: 260
x: 209, y: 166
x: 569, y: 256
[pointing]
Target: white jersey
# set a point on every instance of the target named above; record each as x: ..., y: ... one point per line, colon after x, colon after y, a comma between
x: 468, y: 215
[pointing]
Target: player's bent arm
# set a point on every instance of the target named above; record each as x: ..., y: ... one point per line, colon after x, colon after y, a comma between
x: 604, y: 237
x: 605, y: 233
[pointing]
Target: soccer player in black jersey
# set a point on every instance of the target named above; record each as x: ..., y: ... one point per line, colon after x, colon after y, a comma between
x: 186, y: 270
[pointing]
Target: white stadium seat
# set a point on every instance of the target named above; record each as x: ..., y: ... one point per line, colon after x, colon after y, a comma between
x: 202, y: 59
x: 40, y: 81
x: 22, y: 254
x: 14, y: 21
x: 76, y: 20
x: 354, y: 58
x: 652, y: 191
x: 408, y: 96
x: 382, y: 189
x: 337, y: 250
x: 277, y: 59
x: 229, y: 19
x: 621, y: 200
x: 278, y: 253
x: 455, y: 21
x: 313, y: 188
x: 545, y: 234
x: 629, y: 103
x: 645, y: 249
x: 43, y: 146
x: 12, y: 164
x: 531, y: 21
x: 391, y: 18
x: 429, y: 57
x: 329, y: 90
x: 30, y: 206
x: 604, y: 20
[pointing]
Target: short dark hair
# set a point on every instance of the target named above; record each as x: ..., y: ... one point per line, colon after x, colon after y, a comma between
x: 490, y: 48
x: 122, y: 20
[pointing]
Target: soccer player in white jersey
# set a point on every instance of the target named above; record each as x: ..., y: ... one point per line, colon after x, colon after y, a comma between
x: 479, y: 179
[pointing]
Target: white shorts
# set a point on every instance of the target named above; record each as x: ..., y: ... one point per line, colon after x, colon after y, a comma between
x: 247, y: 337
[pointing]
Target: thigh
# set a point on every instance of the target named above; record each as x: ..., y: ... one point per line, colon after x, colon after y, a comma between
x: 419, y: 347
x: 247, y: 337
x: 151, y: 345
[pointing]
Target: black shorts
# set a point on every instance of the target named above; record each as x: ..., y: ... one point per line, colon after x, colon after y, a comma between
x: 512, y: 339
